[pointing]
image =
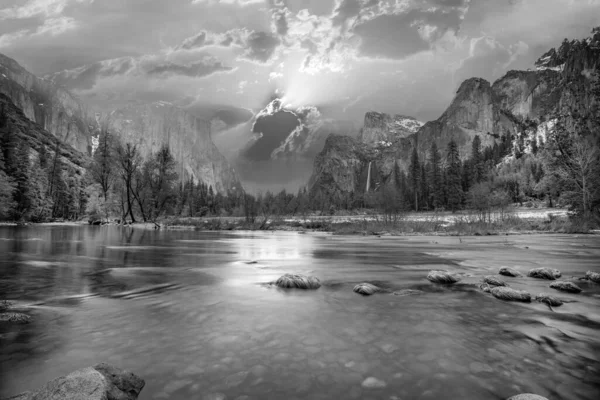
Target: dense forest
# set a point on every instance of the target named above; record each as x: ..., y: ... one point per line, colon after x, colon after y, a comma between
x: 119, y: 184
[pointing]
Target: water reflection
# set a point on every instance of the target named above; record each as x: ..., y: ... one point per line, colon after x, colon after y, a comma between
x: 217, y: 329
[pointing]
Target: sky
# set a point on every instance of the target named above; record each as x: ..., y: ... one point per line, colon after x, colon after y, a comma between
x: 343, y: 57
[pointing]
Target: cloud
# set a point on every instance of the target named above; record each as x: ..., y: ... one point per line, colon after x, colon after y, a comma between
x: 193, y: 70
x: 260, y: 46
x: 148, y: 67
x: 397, y: 36
x: 236, y: 2
x: 256, y: 46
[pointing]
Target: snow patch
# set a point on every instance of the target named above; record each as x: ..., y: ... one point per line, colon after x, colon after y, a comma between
x: 558, y: 68
x: 95, y: 143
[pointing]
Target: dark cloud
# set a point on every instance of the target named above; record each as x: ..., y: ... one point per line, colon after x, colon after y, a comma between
x: 448, y: 3
x: 260, y: 46
x: 390, y: 36
x: 280, y: 22
x: 193, y: 70
x: 271, y: 127
x: 193, y: 42
x: 85, y: 78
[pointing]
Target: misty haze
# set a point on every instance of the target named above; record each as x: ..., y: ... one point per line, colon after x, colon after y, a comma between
x: 300, y: 199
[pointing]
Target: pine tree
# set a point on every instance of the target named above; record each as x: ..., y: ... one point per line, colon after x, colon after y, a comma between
x: 415, y: 176
x: 435, y: 177
x: 43, y: 157
x: 476, y: 161
x: 21, y: 195
x: 454, y: 187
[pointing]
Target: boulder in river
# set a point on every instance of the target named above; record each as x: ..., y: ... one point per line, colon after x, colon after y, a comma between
x: 549, y: 300
x: 442, y: 277
x: 507, y: 271
x: 527, y: 396
x: 544, y: 273
x: 293, y: 281
x: 508, y: 294
x: 101, y: 382
x: 593, y: 276
x: 493, y: 281
x: 565, y: 286
x: 15, y: 317
x: 367, y: 289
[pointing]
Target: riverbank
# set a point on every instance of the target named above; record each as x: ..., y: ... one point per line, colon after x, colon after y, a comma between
x: 468, y: 224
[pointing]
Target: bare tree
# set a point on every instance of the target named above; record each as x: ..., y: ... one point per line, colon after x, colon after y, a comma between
x: 129, y: 161
x: 576, y: 161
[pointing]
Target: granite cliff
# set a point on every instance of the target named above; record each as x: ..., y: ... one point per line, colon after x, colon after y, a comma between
x: 151, y: 125
x: 521, y: 105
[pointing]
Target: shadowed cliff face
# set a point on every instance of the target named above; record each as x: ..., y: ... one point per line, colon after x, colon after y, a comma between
x: 151, y: 125
x: 52, y: 107
x: 566, y: 82
x: 36, y: 136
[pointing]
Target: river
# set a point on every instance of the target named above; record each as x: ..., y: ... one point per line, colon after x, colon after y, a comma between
x: 215, y: 329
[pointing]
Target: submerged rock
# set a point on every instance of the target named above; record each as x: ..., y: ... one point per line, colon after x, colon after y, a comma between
x: 293, y: 281
x: 14, y: 317
x: 493, y: 281
x: 100, y: 382
x: 508, y: 294
x: 373, y: 383
x: 549, y: 300
x: 407, y: 292
x: 367, y: 289
x: 5, y: 305
x: 593, y: 276
x: 442, y: 277
x: 544, y: 273
x: 527, y: 396
x: 566, y: 287
x: 506, y: 271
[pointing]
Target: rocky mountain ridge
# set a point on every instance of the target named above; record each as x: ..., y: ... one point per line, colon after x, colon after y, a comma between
x: 52, y: 107
x: 521, y: 104
x: 385, y: 129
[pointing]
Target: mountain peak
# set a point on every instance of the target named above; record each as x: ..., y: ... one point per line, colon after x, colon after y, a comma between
x: 384, y: 129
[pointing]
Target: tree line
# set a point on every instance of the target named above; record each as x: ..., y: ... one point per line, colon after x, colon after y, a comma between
x: 120, y: 184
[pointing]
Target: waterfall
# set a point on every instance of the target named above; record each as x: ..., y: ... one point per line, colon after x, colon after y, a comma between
x: 368, y: 178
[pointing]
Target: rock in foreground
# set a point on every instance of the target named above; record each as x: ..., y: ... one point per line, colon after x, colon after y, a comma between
x: 544, y: 273
x: 508, y: 294
x: 442, y: 277
x: 506, y: 271
x: 292, y: 281
x: 367, y: 289
x: 101, y: 382
x: 549, y: 300
x: 593, y: 276
x: 527, y: 396
x: 566, y: 287
x: 493, y: 281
